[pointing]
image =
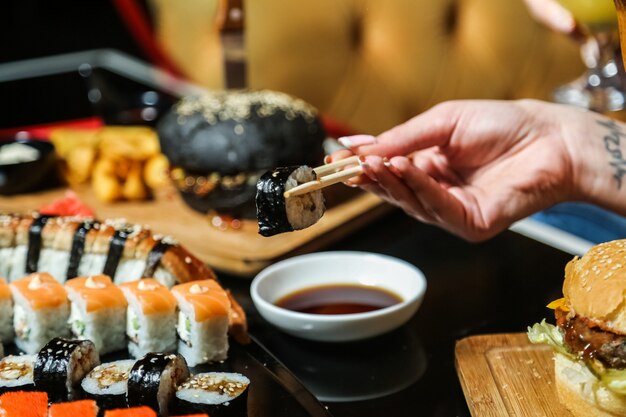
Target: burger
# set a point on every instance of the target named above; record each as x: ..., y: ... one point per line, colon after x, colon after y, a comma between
x: 220, y: 143
x: 589, y: 338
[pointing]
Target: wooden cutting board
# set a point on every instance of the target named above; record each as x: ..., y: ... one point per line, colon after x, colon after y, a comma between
x: 504, y: 375
x: 243, y: 251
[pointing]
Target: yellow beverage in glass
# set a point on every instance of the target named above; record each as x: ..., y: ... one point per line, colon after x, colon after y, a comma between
x: 595, y: 14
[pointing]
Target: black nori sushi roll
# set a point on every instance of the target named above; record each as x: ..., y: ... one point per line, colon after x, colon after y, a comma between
x: 60, y: 366
x: 16, y: 373
x: 219, y: 394
x: 276, y: 214
x: 153, y: 381
x: 107, y: 383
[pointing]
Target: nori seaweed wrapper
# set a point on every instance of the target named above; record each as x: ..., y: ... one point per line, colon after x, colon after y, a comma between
x: 53, y: 365
x: 145, y: 379
x: 271, y: 210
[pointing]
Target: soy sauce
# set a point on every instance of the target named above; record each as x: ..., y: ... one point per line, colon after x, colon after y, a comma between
x: 338, y: 299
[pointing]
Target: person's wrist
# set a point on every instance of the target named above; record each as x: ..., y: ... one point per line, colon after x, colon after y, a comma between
x: 599, y: 164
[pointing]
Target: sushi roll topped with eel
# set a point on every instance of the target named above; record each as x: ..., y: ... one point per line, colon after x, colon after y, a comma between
x: 277, y: 214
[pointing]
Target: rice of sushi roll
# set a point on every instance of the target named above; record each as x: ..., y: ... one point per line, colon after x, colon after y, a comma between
x: 61, y: 365
x: 98, y: 312
x: 214, y: 393
x: 275, y: 213
x: 151, y: 317
x: 16, y: 373
x: 6, y: 313
x: 153, y: 381
x: 40, y: 311
x: 107, y: 383
x: 202, y: 321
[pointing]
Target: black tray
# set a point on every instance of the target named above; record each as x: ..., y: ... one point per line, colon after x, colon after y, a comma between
x: 274, y: 391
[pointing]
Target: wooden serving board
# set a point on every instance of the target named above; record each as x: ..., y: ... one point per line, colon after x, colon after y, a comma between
x: 504, y: 375
x: 243, y: 251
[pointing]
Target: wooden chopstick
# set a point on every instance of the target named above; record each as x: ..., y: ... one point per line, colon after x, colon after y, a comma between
x: 324, y: 181
x: 332, y: 167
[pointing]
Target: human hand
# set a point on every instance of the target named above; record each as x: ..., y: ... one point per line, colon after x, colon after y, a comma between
x: 475, y: 167
x: 553, y: 15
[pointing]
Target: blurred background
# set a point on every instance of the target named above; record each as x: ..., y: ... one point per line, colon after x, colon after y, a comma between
x: 367, y: 64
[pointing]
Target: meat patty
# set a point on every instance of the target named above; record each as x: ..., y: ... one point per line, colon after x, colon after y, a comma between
x: 587, y: 338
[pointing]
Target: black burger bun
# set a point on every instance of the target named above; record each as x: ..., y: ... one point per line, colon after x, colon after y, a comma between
x: 219, y: 143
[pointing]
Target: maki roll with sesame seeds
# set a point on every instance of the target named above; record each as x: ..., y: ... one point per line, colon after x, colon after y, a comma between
x: 214, y: 393
x: 275, y: 213
x: 107, y: 383
x: 153, y: 381
x: 16, y: 373
x: 61, y: 365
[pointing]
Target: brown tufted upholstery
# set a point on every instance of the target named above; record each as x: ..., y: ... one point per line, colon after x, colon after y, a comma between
x: 375, y: 63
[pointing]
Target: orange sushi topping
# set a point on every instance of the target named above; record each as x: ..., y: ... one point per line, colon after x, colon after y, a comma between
x: 82, y: 408
x: 40, y: 290
x: 131, y: 412
x: 5, y: 292
x: 206, y: 296
x: 98, y: 291
x: 153, y: 296
x: 24, y: 404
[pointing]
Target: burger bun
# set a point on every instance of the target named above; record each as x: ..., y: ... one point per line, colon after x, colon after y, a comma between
x: 581, y: 392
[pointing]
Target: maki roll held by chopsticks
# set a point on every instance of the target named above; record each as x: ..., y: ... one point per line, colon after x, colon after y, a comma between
x: 277, y: 214
x: 290, y: 198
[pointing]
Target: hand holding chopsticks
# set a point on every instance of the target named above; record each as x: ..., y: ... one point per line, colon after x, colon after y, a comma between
x: 328, y: 175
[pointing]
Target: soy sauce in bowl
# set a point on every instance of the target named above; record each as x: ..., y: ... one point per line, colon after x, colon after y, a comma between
x: 338, y: 299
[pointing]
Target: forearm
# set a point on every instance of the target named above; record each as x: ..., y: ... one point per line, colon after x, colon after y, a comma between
x: 600, y: 165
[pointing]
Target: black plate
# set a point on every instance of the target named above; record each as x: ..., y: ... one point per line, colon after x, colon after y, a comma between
x: 274, y: 391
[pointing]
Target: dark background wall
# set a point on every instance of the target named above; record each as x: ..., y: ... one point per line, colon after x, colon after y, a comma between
x: 35, y: 28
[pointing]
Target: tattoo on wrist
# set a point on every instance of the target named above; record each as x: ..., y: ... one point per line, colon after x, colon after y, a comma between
x: 613, y: 144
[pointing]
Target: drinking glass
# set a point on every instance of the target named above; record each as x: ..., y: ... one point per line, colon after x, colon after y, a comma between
x: 603, y: 85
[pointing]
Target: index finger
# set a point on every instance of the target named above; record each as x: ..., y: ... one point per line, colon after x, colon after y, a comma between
x: 434, y: 127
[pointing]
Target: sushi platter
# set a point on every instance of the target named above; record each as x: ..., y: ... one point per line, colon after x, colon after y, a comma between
x: 242, y: 251
x: 124, y: 317
x: 272, y: 392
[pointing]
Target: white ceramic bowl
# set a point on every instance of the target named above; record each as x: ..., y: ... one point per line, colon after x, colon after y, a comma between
x: 328, y: 268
